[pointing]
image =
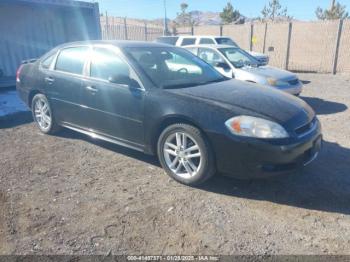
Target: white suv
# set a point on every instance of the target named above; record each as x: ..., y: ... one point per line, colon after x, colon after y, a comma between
x: 186, y: 40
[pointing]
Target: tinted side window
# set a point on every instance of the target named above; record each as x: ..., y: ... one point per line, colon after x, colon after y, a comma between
x: 188, y: 41
x: 225, y: 41
x: 47, y: 61
x: 72, y: 60
x: 206, y: 41
x: 167, y: 40
x: 105, y: 64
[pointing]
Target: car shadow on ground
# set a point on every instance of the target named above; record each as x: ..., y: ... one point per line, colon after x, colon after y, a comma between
x: 324, y: 107
x: 67, y: 133
x: 324, y: 185
x: 16, y: 119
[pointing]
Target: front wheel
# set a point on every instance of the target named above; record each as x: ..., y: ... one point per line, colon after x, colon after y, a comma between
x: 42, y: 114
x: 185, y: 154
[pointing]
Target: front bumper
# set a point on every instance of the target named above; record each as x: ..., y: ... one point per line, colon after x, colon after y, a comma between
x: 253, y: 158
x: 294, y: 90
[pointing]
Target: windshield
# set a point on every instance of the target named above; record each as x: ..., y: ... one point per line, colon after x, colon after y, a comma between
x: 238, y: 57
x: 225, y: 41
x: 172, y: 67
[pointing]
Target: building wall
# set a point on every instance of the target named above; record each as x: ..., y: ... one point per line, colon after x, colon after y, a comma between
x: 28, y: 30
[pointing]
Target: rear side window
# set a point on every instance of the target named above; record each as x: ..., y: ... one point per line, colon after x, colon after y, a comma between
x: 167, y: 40
x: 225, y: 41
x: 188, y: 41
x: 206, y: 41
x: 46, y: 63
x: 105, y: 64
x: 72, y: 60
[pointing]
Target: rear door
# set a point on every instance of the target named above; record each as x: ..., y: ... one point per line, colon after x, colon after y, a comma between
x: 64, y: 84
x: 113, y: 109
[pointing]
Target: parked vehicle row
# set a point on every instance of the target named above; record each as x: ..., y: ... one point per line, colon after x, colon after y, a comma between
x: 235, y: 63
x: 208, y: 40
x: 164, y: 100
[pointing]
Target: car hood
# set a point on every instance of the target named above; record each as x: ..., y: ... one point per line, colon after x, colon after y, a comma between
x: 256, y: 54
x: 269, y: 71
x: 271, y: 103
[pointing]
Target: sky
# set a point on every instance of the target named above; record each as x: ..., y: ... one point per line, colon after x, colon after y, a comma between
x: 151, y: 9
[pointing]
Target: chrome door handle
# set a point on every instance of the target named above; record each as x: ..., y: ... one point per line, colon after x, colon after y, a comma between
x: 91, y: 89
x: 49, y: 80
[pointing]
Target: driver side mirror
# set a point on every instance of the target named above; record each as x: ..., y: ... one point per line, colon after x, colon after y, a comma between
x: 222, y: 65
x: 123, y: 80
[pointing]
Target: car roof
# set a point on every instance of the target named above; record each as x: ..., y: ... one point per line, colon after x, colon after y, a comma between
x: 117, y: 43
x: 213, y: 46
x: 208, y: 36
x: 193, y: 36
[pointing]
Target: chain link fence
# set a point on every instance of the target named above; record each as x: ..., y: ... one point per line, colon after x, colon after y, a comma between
x: 116, y: 28
x: 321, y: 46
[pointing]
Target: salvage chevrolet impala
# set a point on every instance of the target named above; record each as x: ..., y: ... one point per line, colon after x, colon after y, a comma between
x: 164, y: 100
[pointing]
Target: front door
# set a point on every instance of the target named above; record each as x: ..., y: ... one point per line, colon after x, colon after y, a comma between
x: 111, y: 108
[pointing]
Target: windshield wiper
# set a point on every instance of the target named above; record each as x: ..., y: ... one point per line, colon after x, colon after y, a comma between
x: 181, y: 85
x: 214, y: 81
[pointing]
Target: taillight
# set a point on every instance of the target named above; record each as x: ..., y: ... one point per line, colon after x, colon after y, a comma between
x: 18, y: 73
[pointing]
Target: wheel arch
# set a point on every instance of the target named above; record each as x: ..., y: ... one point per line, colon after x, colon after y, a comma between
x: 170, y: 120
x: 31, y: 95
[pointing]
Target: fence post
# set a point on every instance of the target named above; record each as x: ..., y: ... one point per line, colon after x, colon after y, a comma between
x: 264, y: 43
x: 221, y: 29
x: 145, y: 31
x: 107, y: 26
x: 288, y: 45
x: 251, y: 37
x: 125, y: 29
x: 335, y: 59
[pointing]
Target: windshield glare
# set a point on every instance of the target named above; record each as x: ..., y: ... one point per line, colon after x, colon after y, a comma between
x: 171, y: 67
x: 238, y: 57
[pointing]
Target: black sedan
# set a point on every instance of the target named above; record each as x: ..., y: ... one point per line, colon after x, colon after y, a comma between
x: 163, y: 100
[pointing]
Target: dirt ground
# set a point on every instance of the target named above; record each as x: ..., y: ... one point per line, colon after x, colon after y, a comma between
x: 70, y: 194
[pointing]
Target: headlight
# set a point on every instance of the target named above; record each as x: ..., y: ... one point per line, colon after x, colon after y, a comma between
x: 255, y: 127
x: 276, y: 82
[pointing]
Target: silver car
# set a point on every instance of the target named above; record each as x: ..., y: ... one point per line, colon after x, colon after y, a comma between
x: 208, y: 40
x: 236, y: 63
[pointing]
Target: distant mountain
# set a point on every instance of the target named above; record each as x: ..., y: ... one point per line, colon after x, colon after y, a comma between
x: 201, y: 18
x: 206, y: 18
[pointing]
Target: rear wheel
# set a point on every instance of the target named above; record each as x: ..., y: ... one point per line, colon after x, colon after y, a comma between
x: 185, y: 154
x: 42, y: 114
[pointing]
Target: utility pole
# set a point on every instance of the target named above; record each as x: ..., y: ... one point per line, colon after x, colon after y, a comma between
x: 165, y: 32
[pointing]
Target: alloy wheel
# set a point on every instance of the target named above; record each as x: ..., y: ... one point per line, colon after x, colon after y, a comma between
x: 42, y: 114
x: 182, y: 154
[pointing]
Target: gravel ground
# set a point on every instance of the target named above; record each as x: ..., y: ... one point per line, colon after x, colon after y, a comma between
x: 70, y: 194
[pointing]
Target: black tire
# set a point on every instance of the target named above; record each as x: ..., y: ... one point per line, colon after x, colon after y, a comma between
x: 207, y: 167
x: 53, y: 127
